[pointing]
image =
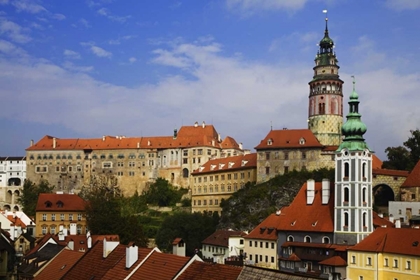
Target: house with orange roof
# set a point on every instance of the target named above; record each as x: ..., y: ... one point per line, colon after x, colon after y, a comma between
x: 218, y: 179
x: 387, y: 253
x: 410, y: 189
x: 130, y: 162
x: 261, y: 243
x: 59, y: 209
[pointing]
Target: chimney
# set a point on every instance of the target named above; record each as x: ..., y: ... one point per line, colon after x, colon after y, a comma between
x: 89, y: 240
x: 219, y: 138
x: 109, y: 246
x: 32, y: 142
x: 212, y: 142
x: 397, y: 223
x: 195, y: 124
x: 148, y: 143
x: 381, y: 215
x: 175, y: 133
x: 70, y: 244
x: 73, y: 229
x: 204, y: 124
x: 241, y: 146
x: 54, y: 143
x: 391, y: 219
x: 103, y: 138
x: 325, y: 191
x: 12, y: 232
x: 131, y: 255
x: 310, y: 191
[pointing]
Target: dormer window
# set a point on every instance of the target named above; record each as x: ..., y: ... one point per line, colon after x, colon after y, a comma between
x: 302, y: 141
x: 60, y: 204
x: 48, y: 204
x: 270, y: 142
x: 221, y: 165
x: 244, y: 162
x: 231, y: 164
x: 201, y: 168
x: 212, y: 167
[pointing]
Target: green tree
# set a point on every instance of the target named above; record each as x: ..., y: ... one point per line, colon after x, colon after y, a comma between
x: 404, y: 157
x: 104, y: 214
x: 193, y: 228
x: 30, y: 192
x: 162, y: 193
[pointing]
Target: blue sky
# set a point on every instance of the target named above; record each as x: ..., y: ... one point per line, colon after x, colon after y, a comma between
x: 142, y: 68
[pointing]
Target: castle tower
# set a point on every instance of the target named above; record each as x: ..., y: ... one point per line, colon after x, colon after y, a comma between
x: 325, y: 116
x: 353, y: 218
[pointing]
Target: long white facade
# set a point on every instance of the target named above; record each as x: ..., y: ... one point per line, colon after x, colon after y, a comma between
x: 12, y: 177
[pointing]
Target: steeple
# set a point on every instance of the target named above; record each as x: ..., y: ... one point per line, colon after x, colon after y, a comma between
x: 354, y: 129
x: 325, y: 116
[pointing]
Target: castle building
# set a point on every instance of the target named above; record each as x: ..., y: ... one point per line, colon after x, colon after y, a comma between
x: 218, y: 179
x: 312, y: 148
x: 129, y: 162
x: 353, y: 218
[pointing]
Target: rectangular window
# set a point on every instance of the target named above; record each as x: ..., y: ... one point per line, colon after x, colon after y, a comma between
x: 200, y: 151
x: 395, y: 263
x: 62, y: 217
x: 408, y: 265
x: 44, y: 230
x: 303, y: 155
x: 120, y: 164
x: 216, y: 177
x: 272, y: 259
x: 261, y: 244
x: 185, y: 153
x: 369, y: 261
x: 353, y: 259
x: 208, y: 152
x: 52, y: 217
x: 107, y: 164
x: 211, y: 178
x: 242, y: 175
x: 386, y: 262
x: 44, y: 217
x: 235, y: 176
x: 185, y: 160
x: 222, y: 177
x: 229, y: 176
x: 266, y: 244
x: 70, y: 217
x: 79, y: 217
x: 131, y: 173
x: 267, y: 156
x: 272, y: 245
x: 267, y: 170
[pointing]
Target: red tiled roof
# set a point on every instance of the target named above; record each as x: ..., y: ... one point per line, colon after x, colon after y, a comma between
x: 93, y: 265
x: 229, y: 143
x: 69, y: 202
x: 289, y: 138
x: 403, y: 241
x: 390, y: 172
x: 294, y: 258
x: 413, y: 179
x: 376, y: 162
x: 330, y: 148
x: 228, y: 164
x: 119, y: 270
x: 62, y: 263
x: 188, y: 136
x: 266, y: 230
x: 176, y: 241
x: 16, y: 221
x: 40, y: 242
x: 210, y: 271
x: 380, y: 222
x: 315, y: 217
x: 334, y: 261
x: 221, y: 237
x: 159, y: 266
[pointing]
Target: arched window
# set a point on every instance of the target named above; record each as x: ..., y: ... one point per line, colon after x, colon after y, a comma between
x: 307, y: 239
x: 346, y: 194
x: 364, y: 195
x: 185, y: 173
x: 364, y: 170
x: 326, y: 240
x: 364, y: 219
x: 346, y: 219
x: 290, y: 238
x: 346, y: 169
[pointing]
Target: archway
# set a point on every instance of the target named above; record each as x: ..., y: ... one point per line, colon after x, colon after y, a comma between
x: 14, y: 182
x: 382, y: 195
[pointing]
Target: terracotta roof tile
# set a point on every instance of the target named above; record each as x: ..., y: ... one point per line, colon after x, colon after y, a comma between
x: 403, y: 241
x: 266, y: 230
x: 228, y: 164
x: 60, y: 202
x: 380, y: 222
x: 229, y: 143
x: 63, y: 262
x: 93, y: 265
x: 159, y: 266
x: 289, y: 138
x: 376, y: 162
x: 176, y: 241
x: 390, y: 172
x: 330, y: 148
x: 315, y: 217
x: 334, y: 261
x: 221, y: 237
x: 119, y: 270
x: 210, y: 271
x: 16, y: 221
x: 413, y: 179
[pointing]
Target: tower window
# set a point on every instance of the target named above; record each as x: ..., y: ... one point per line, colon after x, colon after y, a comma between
x: 364, y: 170
x: 346, y: 194
x: 364, y: 219
x: 346, y: 169
x: 346, y: 219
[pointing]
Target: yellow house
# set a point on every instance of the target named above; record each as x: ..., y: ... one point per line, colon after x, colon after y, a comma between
x: 53, y: 210
x: 387, y: 253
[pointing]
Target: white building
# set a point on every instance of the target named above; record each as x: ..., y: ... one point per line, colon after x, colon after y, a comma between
x: 223, y: 244
x: 12, y: 177
x: 403, y: 210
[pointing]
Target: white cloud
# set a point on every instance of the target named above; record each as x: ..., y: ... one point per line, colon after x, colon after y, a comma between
x: 58, y: 16
x: 98, y: 51
x: 71, y: 54
x: 10, y: 49
x: 250, y: 6
x: 70, y: 66
x: 400, y: 5
x: 83, y: 22
x: 123, y: 38
x: 14, y: 31
x: 28, y: 6
x: 104, y: 12
x: 132, y: 59
x: 300, y: 40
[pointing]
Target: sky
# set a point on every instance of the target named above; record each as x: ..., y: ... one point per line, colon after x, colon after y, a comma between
x: 83, y: 69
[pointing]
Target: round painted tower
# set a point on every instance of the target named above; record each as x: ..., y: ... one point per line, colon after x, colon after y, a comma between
x: 325, y: 116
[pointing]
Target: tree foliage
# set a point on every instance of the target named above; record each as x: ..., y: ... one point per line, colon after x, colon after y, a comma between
x: 30, y: 192
x: 404, y: 157
x: 162, y: 193
x: 193, y: 228
x: 246, y: 208
x: 104, y: 214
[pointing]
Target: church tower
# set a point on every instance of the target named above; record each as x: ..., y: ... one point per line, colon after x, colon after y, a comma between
x: 353, y: 219
x: 325, y: 116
